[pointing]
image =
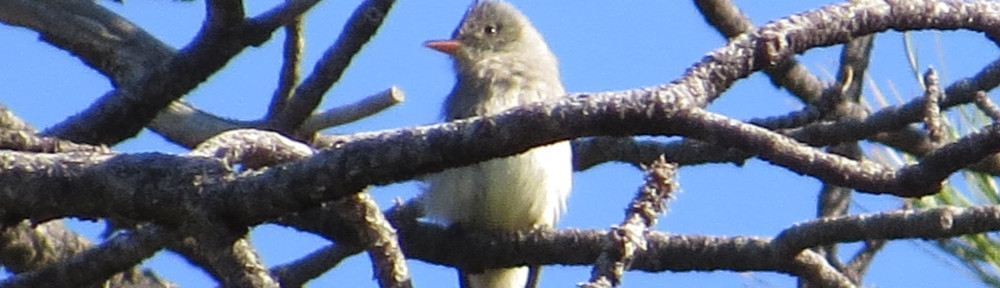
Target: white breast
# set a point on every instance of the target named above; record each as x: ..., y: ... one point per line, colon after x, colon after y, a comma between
x: 518, y: 192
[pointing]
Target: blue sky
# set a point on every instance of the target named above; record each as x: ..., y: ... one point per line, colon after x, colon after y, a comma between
x: 602, y: 45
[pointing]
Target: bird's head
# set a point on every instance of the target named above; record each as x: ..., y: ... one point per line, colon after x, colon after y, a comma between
x: 491, y: 29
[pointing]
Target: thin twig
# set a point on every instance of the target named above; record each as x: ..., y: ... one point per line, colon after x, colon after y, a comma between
x: 625, y: 240
x: 352, y: 112
x: 297, y: 273
x: 817, y: 272
x: 10, y: 121
x: 856, y: 268
x: 932, y: 111
x: 984, y: 104
x: 362, y: 25
x: 291, y: 60
x: 841, y: 102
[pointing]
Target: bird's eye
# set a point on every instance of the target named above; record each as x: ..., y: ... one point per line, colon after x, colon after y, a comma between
x: 491, y: 30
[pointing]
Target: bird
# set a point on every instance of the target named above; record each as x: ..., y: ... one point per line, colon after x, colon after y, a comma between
x: 501, y: 61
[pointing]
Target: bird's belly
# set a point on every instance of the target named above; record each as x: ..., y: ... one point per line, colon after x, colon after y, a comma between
x: 513, y: 193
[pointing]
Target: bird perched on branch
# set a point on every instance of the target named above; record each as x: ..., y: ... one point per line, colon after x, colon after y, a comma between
x: 501, y: 62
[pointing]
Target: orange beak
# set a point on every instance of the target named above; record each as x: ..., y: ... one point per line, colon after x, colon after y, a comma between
x: 449, y: 47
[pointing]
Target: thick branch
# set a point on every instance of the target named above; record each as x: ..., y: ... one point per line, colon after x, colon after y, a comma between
x: 225, y: 255
x: 103, y: 40
x: 121, y: 113
x: 379, y: 237
x: 45, y: 247
x: 100, y: 263
x: 731, y: 22
x: 27, y: 141
x: 934, y: 223
x: 187, y: 126
x: 386, y: 157
x: 693, y: 252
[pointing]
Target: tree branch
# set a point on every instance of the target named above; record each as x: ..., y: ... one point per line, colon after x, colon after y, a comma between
x: 297, y: 273
x: 932, y: 111
x: 8, y: 120
x: 375, y: 232
x: 291, y: 60
x: 348, y: 113
x: 99, y: 264
x: 902, y: 224
x: 984, y: 104
x: 27, y: 141
x: 628, y: 239
x: 121, y: 113
x: 731, y: 22
x: 380, y: 158
x: 101, y: 39
x: 362, y: 25
x: 25, y: 248
x: 233, y: 262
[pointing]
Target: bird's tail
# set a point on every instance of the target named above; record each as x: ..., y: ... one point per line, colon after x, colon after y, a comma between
x: 497, y: 278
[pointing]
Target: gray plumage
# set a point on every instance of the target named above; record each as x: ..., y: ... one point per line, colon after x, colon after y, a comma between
x: 494, y: 68
x: 501, y: 62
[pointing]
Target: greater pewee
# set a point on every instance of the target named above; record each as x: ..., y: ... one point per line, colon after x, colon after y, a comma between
x: 501, y: 62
